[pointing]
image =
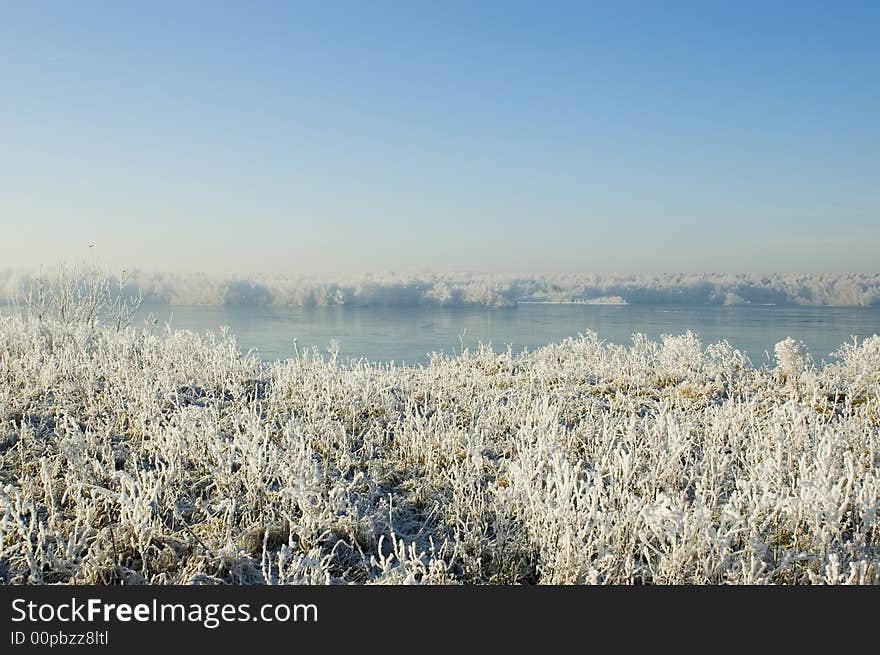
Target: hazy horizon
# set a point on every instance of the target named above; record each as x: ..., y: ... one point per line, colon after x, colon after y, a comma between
x: 462, y: 289
x: 519, y: 138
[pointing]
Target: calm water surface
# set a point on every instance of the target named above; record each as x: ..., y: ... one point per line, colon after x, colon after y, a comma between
x: 408, y: 334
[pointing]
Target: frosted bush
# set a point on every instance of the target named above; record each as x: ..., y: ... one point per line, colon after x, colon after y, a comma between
x: 859, y: 366
x: 791, y: 358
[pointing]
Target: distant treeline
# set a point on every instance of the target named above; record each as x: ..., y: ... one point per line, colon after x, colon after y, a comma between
x: 487, y: 290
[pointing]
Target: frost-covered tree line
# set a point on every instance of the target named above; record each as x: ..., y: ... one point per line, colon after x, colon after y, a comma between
x: 471, y: 289
x: 133, y: 455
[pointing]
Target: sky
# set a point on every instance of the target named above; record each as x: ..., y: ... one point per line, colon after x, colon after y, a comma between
x: 515, y: 137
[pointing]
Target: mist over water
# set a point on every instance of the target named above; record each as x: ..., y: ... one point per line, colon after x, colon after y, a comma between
x: 408, y: 334
x: 479, y: 289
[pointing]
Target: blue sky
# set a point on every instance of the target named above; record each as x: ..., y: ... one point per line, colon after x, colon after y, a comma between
x: 517, y: 137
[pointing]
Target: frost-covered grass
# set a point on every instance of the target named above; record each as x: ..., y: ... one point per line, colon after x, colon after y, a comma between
x: 131, y: 456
